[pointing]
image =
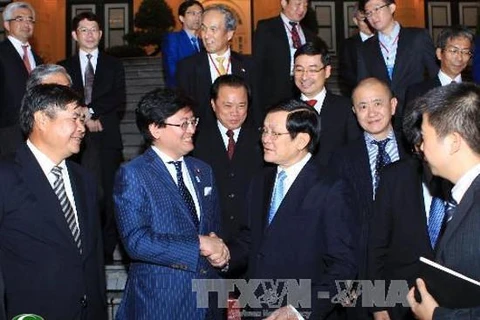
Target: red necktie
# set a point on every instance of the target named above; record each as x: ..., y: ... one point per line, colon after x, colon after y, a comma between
x: 311, y: 103
x: 26, y: 62
x: 231, y: 144
x: 297, y: 43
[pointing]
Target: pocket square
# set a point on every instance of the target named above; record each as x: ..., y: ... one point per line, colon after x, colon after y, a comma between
x: 207, y: 191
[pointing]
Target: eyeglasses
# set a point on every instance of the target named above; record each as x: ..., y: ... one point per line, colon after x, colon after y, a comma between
x: 464, y: 52
x: 184, y: 125
x: 20, y: 19
x: 375, y: 10
x: 86, y: 30
x: 273, y: 135
x: 299, y: 70
x: 194, y: 13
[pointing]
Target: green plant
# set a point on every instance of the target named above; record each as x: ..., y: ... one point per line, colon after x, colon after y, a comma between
x: 153, y: 19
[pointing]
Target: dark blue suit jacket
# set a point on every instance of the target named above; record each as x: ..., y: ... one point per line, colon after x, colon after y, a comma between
x: 310, y: 236
x: 175, y: 47
x: 458, y: 248
x: 44, y: 272
x: 161, y: 239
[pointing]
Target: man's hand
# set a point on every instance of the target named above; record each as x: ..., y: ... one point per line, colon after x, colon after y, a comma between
x: 284, y: 313
x: 213, y: 248
x: 94, y: 125
x: 381, y: 315
x: 423, y: 310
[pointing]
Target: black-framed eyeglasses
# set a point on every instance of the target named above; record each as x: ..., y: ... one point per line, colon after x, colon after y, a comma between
x: 273, y: 135
x: 23, y: 19
x: 299, y: 70
x: 184, y: 125
x: 375, y: 10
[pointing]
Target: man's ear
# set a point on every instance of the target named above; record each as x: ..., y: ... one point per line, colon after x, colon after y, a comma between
x: 40, y: 119
x: 154, y: 130
x: 302, y: 140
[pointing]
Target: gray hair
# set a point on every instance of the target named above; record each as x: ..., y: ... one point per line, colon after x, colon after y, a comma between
x: 42, y: 71
x: 450, y: 33
x: 230, y: 20
x: 8, y: 12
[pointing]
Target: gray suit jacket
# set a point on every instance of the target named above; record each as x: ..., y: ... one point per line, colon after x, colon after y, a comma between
x: 459, y: 248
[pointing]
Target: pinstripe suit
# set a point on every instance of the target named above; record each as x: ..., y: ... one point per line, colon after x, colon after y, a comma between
x: 161, y: 239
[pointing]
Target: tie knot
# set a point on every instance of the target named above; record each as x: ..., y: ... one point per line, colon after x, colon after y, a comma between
x: 89, y: 56
x: 57, y: 171
x: 281, y: 176
x: 25, y: 47
x: 194, y: 40
x: 381, y: 144
x: 230, y: 133
x: 311, y: 103
x: 220, y: 60
x: 177, y: 164
x: 293, y: 24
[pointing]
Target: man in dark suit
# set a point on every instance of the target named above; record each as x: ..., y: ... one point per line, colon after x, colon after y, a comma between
x: 232, y: 147
x: 396, y: 55
x: 184, y: 43
x: 167, y: 207
x: 102, y: 80
x: 275, y: 42
x: 50, y: 241
x: 17, y: 60
x: 196, y: 74
x: 349, y: 55
x: 300, y: 217
x: 361, y: 161
x: 450, y: 131
x: 311, y: 69
x: 454, y: 50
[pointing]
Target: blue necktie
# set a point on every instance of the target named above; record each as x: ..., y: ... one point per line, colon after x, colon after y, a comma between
x: 185, y: 193
x: 435, y: 219
x: 278, y: 194
x: 195, y: 43
x: 382, y: 159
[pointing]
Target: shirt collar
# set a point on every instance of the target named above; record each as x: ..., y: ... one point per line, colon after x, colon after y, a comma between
x: 445, y: 80
x: 17, y: 42
x: 389, y: 39
x: 164, y: 157
x: 369, y: 137
x: 364, y: 36
x: 320, y: 97
x: 226, y: 55
x: 464, y: 183
x: 223, y: 131
x: 293, y: 171
x: 83, y: 54
x: 287, y: 21
x: 43, y: 160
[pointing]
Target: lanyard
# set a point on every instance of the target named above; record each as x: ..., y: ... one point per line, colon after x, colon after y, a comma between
x: 216, y: 67
x: 385, y: 47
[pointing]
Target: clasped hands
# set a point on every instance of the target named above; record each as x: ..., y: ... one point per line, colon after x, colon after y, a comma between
x: 214, y: 249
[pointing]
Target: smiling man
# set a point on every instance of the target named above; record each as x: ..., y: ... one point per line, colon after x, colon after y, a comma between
x: 101, y: 78
x: 19, y: 23
x: 166, y: 207
x: 300, y: 217
x: 196, y: 74
x: 311, y: 70
x: 454, y: 50
x: 50, y: 241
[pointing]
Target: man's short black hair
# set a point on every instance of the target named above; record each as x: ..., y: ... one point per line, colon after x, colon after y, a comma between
x: 89, y: 15
x: 156, y: 106
x: 313, y: 48
x: 228, y: 80
x: 182, y: 9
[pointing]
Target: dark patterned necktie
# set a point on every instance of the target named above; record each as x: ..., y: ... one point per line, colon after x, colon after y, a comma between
x: 382, y: 159
x: 297, y: 43
x: 59, y: 189
x: 89, y: 76
x: 187, y: 197
x: 231, y: 144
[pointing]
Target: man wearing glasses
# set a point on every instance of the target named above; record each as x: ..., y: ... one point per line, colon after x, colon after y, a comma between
x: 397, y: 55
x: 454, y: 50
x: 101, y: 79
x: 168, y: 215
x: 310, y: 71
x: 17, y: 60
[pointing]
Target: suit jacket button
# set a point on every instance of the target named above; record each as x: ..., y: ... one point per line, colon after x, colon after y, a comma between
x: 83, y: 301
x: 232, y: 217
x: 203, y: 271
x: 232, y: 174
x: 231, y: 195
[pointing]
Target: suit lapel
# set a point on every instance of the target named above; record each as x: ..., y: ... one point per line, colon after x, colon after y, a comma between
x: 82, y: 209
x: 363, y: 171
x: 37, y: 182
x: 460, y: 212
x: 237, y: 65
x: 76, y: 73
x: 378, y: 63
x: 402, y: 54
x: 269, y: 181
x: 203, y: 74
x: 198, y: 185
x: 163, y: 177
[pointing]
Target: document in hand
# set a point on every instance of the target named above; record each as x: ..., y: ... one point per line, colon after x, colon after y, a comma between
x: 450, y: 289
